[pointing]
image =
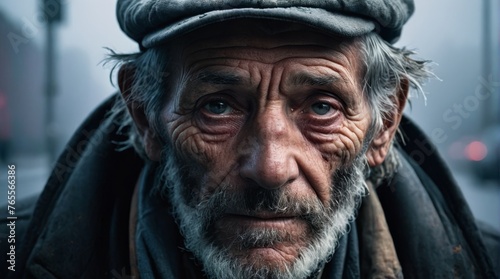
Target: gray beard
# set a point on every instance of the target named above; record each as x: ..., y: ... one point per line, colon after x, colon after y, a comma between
x: 197, y: 220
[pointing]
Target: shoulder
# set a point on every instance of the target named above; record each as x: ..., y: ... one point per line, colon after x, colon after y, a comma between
x: 491, y: 239
x: 439, y: 184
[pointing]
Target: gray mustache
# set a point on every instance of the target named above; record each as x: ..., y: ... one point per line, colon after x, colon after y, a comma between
x: 254, y: 201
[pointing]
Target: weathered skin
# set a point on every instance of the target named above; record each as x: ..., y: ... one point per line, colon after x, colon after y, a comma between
x: 258, y: 106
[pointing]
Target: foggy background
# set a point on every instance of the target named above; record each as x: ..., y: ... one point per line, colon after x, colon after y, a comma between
x: 458, y: 108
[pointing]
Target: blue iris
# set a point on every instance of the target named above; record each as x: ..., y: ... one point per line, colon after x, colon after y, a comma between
x: 321, y: 108
x: 217, y: 107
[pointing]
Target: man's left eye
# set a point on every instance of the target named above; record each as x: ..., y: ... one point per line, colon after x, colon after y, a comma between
x: 321, y: 108
x: 218, y: 107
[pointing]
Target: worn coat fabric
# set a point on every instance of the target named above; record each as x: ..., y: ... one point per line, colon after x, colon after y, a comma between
x: 79, y: 227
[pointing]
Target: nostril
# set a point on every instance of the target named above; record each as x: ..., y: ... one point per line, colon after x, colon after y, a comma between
x: 270, y: 168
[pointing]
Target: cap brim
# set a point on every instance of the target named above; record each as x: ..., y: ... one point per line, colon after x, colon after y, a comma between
x: 333, y: 23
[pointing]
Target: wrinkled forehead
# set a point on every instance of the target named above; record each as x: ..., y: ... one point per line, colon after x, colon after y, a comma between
x: 269, y: 41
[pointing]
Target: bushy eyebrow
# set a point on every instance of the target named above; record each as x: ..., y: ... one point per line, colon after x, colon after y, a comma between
x: 219, y: 78
x: 313, y: 80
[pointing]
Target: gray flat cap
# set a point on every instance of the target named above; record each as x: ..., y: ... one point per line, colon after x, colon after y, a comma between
x: 153, y: 22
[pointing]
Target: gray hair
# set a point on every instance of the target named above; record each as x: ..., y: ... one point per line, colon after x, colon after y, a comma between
x: 386, y: 68
x: 149, y: 87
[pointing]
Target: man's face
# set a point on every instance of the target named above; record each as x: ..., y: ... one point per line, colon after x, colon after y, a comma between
x: 266, y: 128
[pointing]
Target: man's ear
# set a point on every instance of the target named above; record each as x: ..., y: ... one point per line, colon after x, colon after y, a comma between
x: 382, y: 141
x: 152, y: 144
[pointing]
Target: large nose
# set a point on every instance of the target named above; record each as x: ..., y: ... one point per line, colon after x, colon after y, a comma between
x: 268, y: 153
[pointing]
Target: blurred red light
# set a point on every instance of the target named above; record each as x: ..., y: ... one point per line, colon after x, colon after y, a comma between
x: 476, y: 151
x: 3, y: 101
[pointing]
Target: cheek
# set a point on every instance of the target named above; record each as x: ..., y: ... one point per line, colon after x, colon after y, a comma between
x: 339, y: 143
x: 337, y: 136
x: 324, y: 153
x: 186, y: 138
x: 208, y: 144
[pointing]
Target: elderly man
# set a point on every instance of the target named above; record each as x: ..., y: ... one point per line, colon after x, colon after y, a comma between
x: 255, y: 139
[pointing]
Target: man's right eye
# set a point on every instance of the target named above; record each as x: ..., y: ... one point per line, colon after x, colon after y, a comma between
x: 321, y: 108
x: 218, y: 107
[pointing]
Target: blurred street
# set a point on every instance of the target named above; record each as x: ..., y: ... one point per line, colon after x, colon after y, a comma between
x: 483, y: 197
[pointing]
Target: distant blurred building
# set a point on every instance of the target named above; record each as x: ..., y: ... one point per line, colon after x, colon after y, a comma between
x: 21, y: 73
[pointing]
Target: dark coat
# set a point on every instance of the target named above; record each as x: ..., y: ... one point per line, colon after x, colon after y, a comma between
x: 79, y: 226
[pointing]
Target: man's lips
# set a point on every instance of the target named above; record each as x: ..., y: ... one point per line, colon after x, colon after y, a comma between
x: 264, y: 215
x: 269, y: 220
